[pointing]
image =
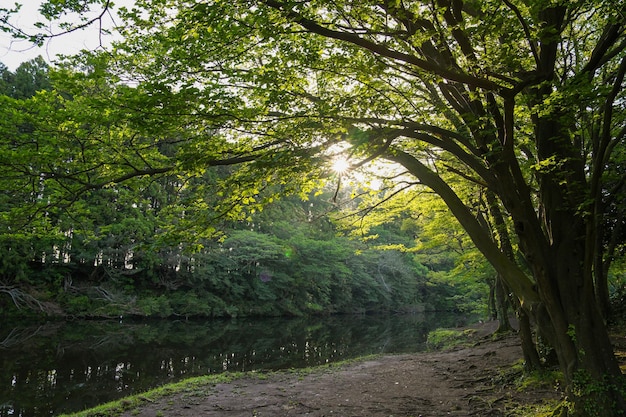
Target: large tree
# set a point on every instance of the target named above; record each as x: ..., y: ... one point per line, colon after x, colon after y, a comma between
x: 524, y: 98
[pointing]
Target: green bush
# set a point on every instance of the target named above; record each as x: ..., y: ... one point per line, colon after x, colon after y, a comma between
x: 189, y: 304
x: 155, y: 306
x: 79, y: 305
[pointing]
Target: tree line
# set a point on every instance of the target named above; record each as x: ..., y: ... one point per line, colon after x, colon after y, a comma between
x: 510, y: 112
x: 120, y: 250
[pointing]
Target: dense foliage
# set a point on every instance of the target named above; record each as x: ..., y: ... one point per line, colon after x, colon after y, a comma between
x: 511, y: 112
x: 127, y: 249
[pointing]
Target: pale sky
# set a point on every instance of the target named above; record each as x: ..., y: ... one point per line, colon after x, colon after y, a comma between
x: 13, y: 53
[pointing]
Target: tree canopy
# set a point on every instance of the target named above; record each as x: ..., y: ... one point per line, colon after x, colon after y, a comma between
x: 519, y: 101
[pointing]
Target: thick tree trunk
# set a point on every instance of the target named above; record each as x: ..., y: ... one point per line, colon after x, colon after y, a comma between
x: 573, y: 324
x: 592, y: 375
x: 575, y: 328
x: 561, y: 299
x: 564, y: 271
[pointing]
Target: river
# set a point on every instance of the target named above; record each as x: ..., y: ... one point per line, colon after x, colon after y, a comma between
x: 62, y: 367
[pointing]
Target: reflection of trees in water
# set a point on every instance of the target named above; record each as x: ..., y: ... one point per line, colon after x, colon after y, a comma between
x: 25, y: 338
x: 81, y: 364
x: 19, y: 336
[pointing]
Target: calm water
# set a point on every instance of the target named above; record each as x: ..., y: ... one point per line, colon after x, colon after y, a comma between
x: 63, y: 367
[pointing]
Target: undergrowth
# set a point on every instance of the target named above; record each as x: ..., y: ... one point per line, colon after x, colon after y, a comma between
x: 442, y: 339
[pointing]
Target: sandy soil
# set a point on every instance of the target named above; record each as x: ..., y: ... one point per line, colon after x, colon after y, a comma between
x: 474, y: 381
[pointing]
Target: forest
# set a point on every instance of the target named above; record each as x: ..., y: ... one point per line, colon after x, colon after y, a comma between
x: 120, y: 250
x: 275, y: 157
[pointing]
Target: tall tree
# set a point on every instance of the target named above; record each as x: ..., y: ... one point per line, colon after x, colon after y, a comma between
x: 29, y: 77
x: 525, y: 98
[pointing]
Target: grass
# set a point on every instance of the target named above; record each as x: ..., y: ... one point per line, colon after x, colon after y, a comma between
x: 523, y: 380
x: 517, y: 377
x: 547, y: 409
x: 441, y: 339
x: 193, y: 386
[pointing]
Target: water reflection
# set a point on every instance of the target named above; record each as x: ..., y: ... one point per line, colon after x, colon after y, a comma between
x: 64, y: 367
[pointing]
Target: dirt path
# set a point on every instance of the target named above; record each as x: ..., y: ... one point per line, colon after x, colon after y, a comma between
x: 460, y: 382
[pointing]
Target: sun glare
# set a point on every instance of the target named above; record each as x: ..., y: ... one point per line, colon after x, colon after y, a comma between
x: 340, y: 165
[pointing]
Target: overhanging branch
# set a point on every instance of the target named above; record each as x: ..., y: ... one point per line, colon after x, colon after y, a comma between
x: 515, y: 278
x: 382, y: 50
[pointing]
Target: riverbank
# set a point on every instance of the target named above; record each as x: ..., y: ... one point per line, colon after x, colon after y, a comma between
x: 480, y: 378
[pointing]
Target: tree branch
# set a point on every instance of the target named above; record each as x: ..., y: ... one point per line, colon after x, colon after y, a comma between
x: 517, y: 280
x: 532, y: 44
x: 382, y: 50
x: 610, y: 36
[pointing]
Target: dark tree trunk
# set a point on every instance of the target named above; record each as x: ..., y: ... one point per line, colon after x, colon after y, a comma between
x: 563, y: 270
x: 502, y: 306
x: 561, y: 299
x: 606, y: 245
x: 491, y: 302
x: 502, y: 299
x: 532, y: 361
x: 574, y: 326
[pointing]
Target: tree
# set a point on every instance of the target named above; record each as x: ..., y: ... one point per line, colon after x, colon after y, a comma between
x: 28, y: 78
x: 524, y: 98
x: 458, y: 278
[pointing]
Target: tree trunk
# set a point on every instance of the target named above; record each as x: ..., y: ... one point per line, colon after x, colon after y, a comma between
x: 506, y: 247
x: 592, y: 376
x: 564, y: 268
x: 601, y: 285
x: 532, y: 361
x: 502, y: 306
x: 575, y: 327
x: 604, y: 255
x: 491, y: 302
x: 561, y: 300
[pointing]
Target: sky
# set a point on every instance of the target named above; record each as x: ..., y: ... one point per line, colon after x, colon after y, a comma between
x: 14, y: 52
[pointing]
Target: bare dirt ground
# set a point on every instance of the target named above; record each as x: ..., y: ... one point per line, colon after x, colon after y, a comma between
x: 468, y: 381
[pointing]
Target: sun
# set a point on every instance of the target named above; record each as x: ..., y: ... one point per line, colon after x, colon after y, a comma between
x: 340, y: 165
